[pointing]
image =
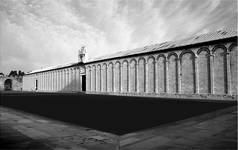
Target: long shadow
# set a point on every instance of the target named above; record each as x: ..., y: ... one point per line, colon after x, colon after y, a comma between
x: 115, y: 114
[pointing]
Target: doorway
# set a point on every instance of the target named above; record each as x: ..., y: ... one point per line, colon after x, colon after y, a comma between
x: 36, y: 85
x: 8, y: 85
x: 83, y: 82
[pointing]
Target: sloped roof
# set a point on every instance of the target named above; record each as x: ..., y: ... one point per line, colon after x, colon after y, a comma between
x: 221, y: 34
x: 51, y: 68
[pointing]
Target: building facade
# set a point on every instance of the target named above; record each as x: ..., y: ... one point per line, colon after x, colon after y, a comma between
x: 203, y: 66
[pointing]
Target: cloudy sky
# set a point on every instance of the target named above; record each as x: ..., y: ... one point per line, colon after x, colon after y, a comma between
x: 41, y: 33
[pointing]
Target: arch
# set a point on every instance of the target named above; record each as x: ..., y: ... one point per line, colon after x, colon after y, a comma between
x: 8, y: 84
x: 125, y: 76
x: 117, y: 77
x: 161, y: 74
x: 206, y: 49
x: 132, y: 77
x: 233, y: 67
x: 110, y: 77
x: 98, y: 78
x: 172, y: 73
x: 185, y: 52
x: 160, y: 55
x: 187, y: 61
x: 151, y: 74
x: 220, y: 69
x: 104, y: 77
x: 219, y: 46
x: 172, y: 54
x: 204, y: 79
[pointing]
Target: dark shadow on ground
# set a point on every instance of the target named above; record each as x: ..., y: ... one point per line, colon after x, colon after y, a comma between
x: 114, y: 114
x: 14, y: 140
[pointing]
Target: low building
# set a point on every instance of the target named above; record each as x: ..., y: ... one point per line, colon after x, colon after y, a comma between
x: 10, y: 83
x: 203, y: 66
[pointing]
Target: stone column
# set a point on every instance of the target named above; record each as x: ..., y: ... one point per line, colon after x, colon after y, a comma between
x: 49, y: 81
x: 166, y: 76
x: 46, y: 81
x: 67, y: 85
x: 53, y: 77
x: 156, y: 76
x: 106, y: 78
x: 70, y: 79
x: 129, y: 77
x: 211, y: 73
x: 58, y: 88
x: 60, y: 80
x: 228, y: 73
x: 43, y: 85
x: 64, y: 80
x: 52, y: 81
x: 56, y: 80
x: 77, y: 79
x: 75, y: 85
x: 136, y: 76
x: 73, y: 79
x: 196, y: 75
x: 120, y: 78
x: 41, y: 82
x: 179, y: 74
x: 146, y: 76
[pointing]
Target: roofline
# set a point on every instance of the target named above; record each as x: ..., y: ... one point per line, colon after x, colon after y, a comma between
x: 167, y: 49
x: 57, y: 68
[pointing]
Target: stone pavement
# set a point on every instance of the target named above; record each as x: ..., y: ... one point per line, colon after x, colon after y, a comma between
x: 215, y: 130
x: 212, y: 131
x: 25, y: 131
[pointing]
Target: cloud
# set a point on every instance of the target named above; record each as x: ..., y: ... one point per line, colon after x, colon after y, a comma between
x: 36, y: 34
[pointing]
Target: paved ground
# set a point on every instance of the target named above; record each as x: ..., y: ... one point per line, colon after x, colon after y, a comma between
x: 212, y: 131
x: 25, y: 131
x: 215, y: 130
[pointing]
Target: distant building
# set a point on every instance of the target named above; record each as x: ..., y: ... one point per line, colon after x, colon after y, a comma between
x: 203, y: 66
x: 10, y: 83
